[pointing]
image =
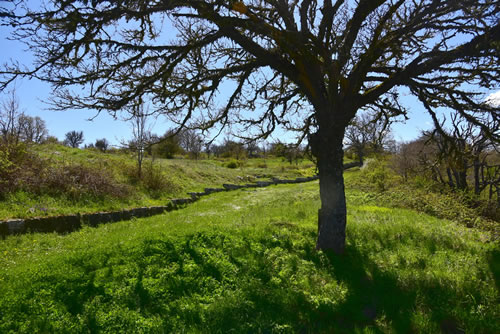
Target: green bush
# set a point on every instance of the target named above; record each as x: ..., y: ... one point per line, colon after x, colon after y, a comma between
x: 377, y: 174
x: 425, y: 195
x: 232, y: 164
x: 156, y: 182
x: 16, y: 162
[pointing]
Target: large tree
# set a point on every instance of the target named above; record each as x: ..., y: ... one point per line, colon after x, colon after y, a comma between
x: 304, y: 65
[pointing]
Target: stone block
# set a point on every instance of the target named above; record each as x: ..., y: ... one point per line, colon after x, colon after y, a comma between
x: 127, y: 214
x: 4, y: 230
x: 59, y: 224
x: 156, y: 210
x: 115, y: 216
x: 15, y: 226
x: 47, y: 224
x: 301, y: 179
x: 263, y: 183
x: 228, y: 186
x: 352, y: 164
x: 95, y: 219
x: 66, y: 224
x: 195, y: 196
x: 180, y: 201
x: 170, y: 206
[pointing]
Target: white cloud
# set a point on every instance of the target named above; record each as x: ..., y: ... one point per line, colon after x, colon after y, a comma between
x: 494, y: 99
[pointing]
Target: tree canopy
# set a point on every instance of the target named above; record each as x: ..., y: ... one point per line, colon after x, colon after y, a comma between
x: 305, y: 65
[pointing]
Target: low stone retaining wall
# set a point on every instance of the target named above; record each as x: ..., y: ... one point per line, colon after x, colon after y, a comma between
x: 66, y: 224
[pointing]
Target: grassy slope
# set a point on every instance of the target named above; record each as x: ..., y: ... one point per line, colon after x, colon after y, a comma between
x: 180, y: 175
x: 245, y: 261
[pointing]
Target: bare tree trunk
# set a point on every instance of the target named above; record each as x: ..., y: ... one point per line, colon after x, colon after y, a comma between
x: 477, y: 167
x: 460, y: 178
x: 361, y: 156
x: 450, y: 177
x: 498, y: 195
x: 438, y: 175
x: 139, y: 163
x: 457, y: 178
x: 332, y: 215
x: 463, y: 176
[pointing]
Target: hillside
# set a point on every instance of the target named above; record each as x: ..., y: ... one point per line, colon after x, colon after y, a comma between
x: 52, y: 179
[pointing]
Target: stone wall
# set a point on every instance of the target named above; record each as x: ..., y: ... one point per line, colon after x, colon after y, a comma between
x: 65, y: 224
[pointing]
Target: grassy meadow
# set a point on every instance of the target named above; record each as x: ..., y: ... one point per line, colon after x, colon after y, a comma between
x: 54, y: 179
x: 244, y: 262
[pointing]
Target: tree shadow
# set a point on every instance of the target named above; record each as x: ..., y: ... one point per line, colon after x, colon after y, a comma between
x: 215, y: 282
x: 494, y: 264
x: 375, y: 299
x: 372, y: 293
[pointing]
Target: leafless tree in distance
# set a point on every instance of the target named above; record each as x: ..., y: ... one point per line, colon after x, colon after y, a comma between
x: 73, y: 138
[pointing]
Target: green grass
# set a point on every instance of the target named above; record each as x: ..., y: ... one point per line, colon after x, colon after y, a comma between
x: 163, y: 180
x: 244, y: 261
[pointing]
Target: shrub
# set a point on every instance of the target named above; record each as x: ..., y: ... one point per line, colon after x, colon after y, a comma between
x: 102, y: 144
x: 15, y: 163
x: 232, y: 164
x: 51, y: 140
x: 22, y: 170
x: 294, y: 167
x: 156, y: 182
x: 78, y: 182
x: 377, y: 174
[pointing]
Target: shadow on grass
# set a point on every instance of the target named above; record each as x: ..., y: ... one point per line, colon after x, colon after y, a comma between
x: 372, y: 293
x: 250, y: 301
x: 217, y: 282
x: 494, y: 263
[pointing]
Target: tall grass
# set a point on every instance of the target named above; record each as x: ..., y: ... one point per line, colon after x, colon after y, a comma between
x: 245, y: 262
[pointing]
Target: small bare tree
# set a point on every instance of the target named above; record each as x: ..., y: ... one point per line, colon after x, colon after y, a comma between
x: 191, y: 142
x: 10, y: 113
x: 74, y: 138
x: 141, y: 133
x: 16, y: 126
x: 252, y: 148
x: 462, y: 147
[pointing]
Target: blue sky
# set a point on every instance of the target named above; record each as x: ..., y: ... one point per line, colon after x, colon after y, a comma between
x: 33, y: 94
